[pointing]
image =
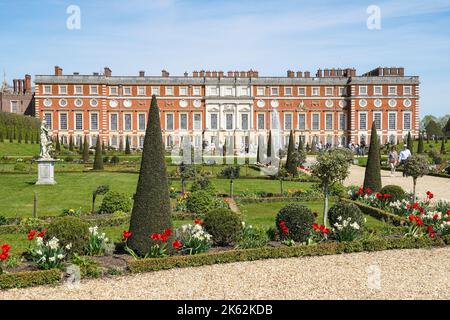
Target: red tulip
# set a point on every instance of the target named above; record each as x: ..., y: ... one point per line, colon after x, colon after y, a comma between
x: 177, y: 244
x: 155, y: 236
x: 315, y: 226
x: 41, y: 234
x: 163, y: 237
x: 167, y: 232
x: 435, y: 216
x: 126, y: 235
x: 412, y: 218
x: 198, y: 221
x: 31, y: 234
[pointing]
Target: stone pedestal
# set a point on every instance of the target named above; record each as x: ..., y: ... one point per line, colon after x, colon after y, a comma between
x: 46, y: 171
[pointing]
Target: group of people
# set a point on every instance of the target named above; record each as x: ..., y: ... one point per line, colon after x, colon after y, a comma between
x: 359, y: 149
x: 396, y: 159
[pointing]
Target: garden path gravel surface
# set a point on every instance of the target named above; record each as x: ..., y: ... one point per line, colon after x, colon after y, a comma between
x: 440, y: 187
x: 403, y: 274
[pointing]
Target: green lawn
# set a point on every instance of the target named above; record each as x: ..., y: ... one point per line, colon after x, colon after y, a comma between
x: 16, y: 149
x: 263, y: 214
x: 74, y: 190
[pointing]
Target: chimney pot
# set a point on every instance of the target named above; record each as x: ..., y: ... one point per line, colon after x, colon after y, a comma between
x: 319, y: 73
x: 202, y: 73
x: 221, y: 74
x: 214, y: 74
x: 299, y: 74
x: 20, y: 89
x: 58, y: 71
x: 165, y: 73
x: 195, y: 74
x: 15, y: 85
x: 208, y: 74
x: 27, y: 83
x: 307, y: 74
x: 142, y: 73
x: 230, y: 74
x: 401, y: 71
x: 186, y: 74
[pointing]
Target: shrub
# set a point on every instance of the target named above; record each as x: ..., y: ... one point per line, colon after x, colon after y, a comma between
x: 199, y: 202
x: 3, y: 221
x: 88, y: 267
x: 252, y: 238
x: 298, y: 219
x: 203, y: 183
x: 224, y: 225
x: 70, y: 230
x: 115, y: 201
x: 229, y: 171
x: 347, y: 221
x: 68, y: 159
x: 115, y: 160
x: 20, y: 167
x: 396, y: 192
x: 28, y: 224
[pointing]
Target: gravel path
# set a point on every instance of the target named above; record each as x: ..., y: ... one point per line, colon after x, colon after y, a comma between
x: 439, y: 186
x: 404, y: 274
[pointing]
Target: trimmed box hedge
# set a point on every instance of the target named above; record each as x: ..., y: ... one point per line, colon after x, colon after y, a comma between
x: 377, y: 213
x: 328, y: 248
x: 29, y: 278
x: 306, y: 197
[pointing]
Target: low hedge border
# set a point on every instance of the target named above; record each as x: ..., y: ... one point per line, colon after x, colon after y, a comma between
x: 246, y: 200
x: 29, y: 278
x: 329, y: 248
x: 377, y: 213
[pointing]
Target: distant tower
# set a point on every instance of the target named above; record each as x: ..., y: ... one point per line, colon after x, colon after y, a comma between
x: 4, y: 86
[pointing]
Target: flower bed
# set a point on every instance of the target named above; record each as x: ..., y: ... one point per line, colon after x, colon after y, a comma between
x: 377, y: 213
x: 327, y: 248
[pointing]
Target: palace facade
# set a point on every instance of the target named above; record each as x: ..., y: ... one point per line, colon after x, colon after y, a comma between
x: 334, y: 106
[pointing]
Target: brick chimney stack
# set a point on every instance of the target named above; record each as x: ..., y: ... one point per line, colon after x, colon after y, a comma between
x: 58, y: 71
x: 165, y: 73
x: 221, y: 74
x: 230, y: 74
x: 307, y: 74
x: 15, y: 85
x: 208, y: 74
x: 107, y: 72
x: 290, y: 74
x: 299, y: 74
x: 319, y: 73
x: 202, y: 73
x: 20, y: 86
x: 142, y: 73
x: 401, y: 71
x: 27, y: 83
x: 195, y: 74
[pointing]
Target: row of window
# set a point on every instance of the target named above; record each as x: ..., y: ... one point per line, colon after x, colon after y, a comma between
x: 228, y: 91
x: 392, y: 120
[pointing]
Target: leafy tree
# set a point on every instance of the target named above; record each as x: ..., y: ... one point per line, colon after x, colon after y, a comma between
x: 447, y: 128
x: 416, y: 166
x: 127, y: 145
x: 98, y: 159
x: 151, y: 211
x: 291, y: 160
x: 420, y: 149
x: 372, y: 176
x: 433, y: 129
x: 85, y: 149
x: 331, y: 167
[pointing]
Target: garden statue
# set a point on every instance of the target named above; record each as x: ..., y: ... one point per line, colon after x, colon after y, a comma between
x: 46, y: 142
x: 46, y: 164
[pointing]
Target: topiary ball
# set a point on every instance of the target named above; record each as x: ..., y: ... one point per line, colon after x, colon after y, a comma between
x: 345, y: 210
x: 199, y: 202
x: 115, y: 201
x: 69, y: 230
x: 396, y: 192
x: 224, y: 225
x: 298, y: 219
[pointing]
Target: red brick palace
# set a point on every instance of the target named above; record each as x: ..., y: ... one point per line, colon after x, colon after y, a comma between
x: 334, y: 106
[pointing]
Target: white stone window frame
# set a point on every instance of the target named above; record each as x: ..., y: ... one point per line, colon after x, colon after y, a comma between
x: 193, y: 121
x: 314, y: 89
x: 359, y: 121
x: 410, y: 90
x: 166, y: 90
x: 124, y: 122
x: 288, y: 94
x: 393, y: 93
x: 332, y: 121
x: 375, y: 90
x: 274, y: 91
x: 60, y: 114
x: 90, y: 121
x: 186, y: 91
x: 138, y: 121
x: 410, y: 120
x: 389, y: 120
x: 380, y: 113
x: 187, y: 121
x: 166, y: 121
x: 342, y: 91
x: 292, y: 120
x: 210, y: 122
x: 300, y: 93
x: 312, y: 121
x: 45, y: 87
x: 257, y: 121
x: 362, y: 90
x: 329, y: 94
x: 75, y: 121
x: 60, y: 89
x: 16, y: 102
x: 49, y: 125
x: 258, y: 91
x: 117, y: 122
x: 125, y: 89
x: 198, y: 89
x: 113, y: 94
x: 248, y: 120
x: 298, y: 124
x: 91, y: 91
x: 142, y: 90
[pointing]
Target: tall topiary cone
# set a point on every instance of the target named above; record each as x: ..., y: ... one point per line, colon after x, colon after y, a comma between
x: 442, y: 151
x: 300, y: 145
x: 291, y: 165
x: 151, y: 209
x: 420, y: 144
x: 58, y: 144
x: 127, y: 145
x: 372, y: 177
x: 98, y: 160
x: 85, y: 150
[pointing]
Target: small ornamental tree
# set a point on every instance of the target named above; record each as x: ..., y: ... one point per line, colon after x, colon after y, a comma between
x: 420, y: 148
x: 258, y: 160
x: 85, y: 150
x: 151, y: 210
x: 103, y: 148
x: 442, y: 146
x: 269, y: 146
x: 331, y: 167
x: 98, y: 159
x: 291, y: 159
x: 433, y: 129
x: 409, y: 142
x: 372, y: 176
x: 127, y: 145
x: 416, y: 166
x: 446, y: 129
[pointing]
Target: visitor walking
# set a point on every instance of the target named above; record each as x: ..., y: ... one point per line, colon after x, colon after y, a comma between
x: 393, y: 160
x: 404, y: 155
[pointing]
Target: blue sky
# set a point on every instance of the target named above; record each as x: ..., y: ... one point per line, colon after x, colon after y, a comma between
x: 268, y: 36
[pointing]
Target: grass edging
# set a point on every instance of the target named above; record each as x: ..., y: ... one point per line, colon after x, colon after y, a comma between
x: 249, y: 200
x: 377, y: 213
x: 329, y: 248
x: 29, y: 278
